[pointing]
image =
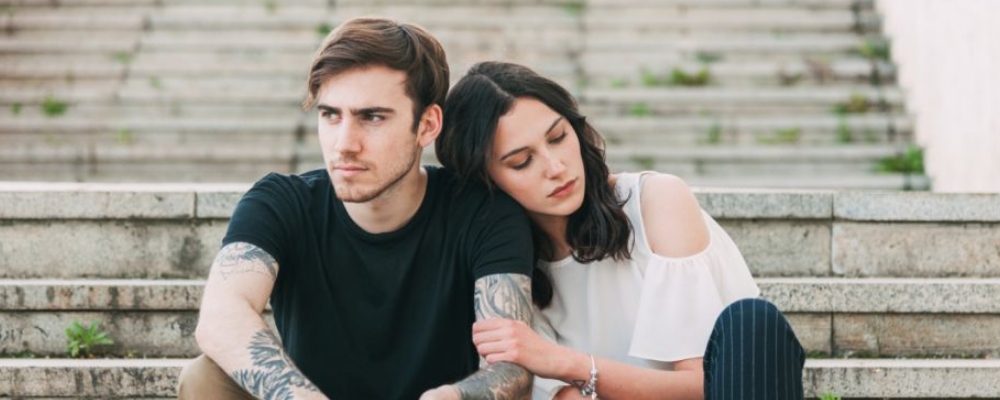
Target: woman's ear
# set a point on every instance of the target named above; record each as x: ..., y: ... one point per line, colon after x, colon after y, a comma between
x: 430, y: 125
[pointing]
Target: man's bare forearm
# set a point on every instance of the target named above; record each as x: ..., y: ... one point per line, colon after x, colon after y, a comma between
x: 500, y: 296
x: 233, y: 333
x: 500, y: 381
x: 271, y: 374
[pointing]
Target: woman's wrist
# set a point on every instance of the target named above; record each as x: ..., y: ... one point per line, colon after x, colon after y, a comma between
x: 575, y: 367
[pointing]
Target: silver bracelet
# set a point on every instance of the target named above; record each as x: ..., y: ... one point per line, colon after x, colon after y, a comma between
x: 590, y: 389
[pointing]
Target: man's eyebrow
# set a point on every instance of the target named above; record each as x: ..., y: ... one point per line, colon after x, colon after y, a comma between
x: 324, y: 107
x: 372, y: 110
x: 520, y: 149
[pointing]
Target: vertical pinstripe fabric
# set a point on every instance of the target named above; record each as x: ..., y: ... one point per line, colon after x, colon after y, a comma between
x: 746, y: 335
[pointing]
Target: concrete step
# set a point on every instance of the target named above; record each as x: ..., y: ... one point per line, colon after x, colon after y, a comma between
x: 726, y: 47
x: 157, y: 378
x: 652, y: 70
x: 649, y: 20
x: 845, y: 317
x: 749, y: 161
x: 753, y: 130
x: 643, y: 102
x: 881, y: 182
x: 155, y: 231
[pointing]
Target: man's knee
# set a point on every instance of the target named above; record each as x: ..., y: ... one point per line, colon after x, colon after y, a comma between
x: 203, y: 379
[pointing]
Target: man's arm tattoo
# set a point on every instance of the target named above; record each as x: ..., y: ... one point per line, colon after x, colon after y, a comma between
x: 241, y: 258
x: 500, y: 381
x: 500, y: 296
x: 503, y: 296
x: 272, y: 375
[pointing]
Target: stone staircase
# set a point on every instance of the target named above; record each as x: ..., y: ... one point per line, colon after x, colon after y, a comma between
x: 894, y: 295
x: 758, y: 93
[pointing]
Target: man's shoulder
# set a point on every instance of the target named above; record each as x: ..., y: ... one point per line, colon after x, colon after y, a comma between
x: 275, y: 183
x: 472, y: 199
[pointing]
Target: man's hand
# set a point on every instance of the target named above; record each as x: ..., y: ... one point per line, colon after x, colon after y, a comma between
x: 445, y: 392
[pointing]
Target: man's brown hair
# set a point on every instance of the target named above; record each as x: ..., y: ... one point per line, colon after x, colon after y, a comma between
x: 368, y: 41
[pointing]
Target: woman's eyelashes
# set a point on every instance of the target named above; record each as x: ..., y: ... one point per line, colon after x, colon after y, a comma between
x: 527, y: 160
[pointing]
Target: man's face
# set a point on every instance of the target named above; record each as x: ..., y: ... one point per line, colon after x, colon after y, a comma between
x: 365, y: 132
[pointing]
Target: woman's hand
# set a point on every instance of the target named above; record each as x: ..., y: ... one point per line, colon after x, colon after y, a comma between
x: 504, y: 340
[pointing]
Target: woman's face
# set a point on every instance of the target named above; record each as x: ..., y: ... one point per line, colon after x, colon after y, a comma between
x: 536, y: 159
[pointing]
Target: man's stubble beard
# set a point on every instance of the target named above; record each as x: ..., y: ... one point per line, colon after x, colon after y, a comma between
x: 398, y: 171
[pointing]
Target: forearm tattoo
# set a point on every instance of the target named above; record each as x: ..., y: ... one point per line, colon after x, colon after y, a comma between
x: 272, y: 375
x: 500, y: 381
x: 243, y: 258
x: 500, y: 296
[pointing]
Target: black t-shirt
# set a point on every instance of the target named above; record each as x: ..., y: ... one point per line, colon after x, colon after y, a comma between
x: 380, y: 316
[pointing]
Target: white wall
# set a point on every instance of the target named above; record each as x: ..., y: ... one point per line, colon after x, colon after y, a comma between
x: 948, y: 55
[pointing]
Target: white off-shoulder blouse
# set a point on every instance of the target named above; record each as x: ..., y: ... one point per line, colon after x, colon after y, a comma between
x: 648, y: 311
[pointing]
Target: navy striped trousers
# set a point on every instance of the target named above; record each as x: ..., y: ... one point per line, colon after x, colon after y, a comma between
x: 753, y: 354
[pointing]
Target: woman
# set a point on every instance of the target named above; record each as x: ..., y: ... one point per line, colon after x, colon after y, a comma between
x: 633, y: 279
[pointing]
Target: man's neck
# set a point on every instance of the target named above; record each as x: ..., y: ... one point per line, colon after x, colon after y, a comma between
x: 394, y: 207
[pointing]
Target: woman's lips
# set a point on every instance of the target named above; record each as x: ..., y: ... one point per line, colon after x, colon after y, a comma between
x: 563, y: 190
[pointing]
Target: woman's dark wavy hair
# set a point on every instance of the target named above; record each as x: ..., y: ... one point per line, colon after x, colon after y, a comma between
x: 599, y: 228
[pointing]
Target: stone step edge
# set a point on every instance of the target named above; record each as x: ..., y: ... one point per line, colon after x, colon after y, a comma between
x: 47, y: 201
x: 791, y: 295
x: 880, y: 378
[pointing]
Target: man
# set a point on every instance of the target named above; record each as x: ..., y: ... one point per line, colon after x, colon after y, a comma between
x: 375, y: 267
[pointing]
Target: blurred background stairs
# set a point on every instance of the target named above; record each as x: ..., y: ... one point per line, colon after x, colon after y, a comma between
x: 733, y: 93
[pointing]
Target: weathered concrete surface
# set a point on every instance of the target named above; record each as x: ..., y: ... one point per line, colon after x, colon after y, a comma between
x: 95, y: 204
x: 814, y: 331
x: 89, y: 378
x: 734, y: 204
x: 141, y: 334
x: 883, y: 295
x: 916, y: 249
x: 918, y: 335
x: 89, y: 295
x: 108, y: 248
x: 917, y: 206
x: 782, y: 248
x: 943, y: 379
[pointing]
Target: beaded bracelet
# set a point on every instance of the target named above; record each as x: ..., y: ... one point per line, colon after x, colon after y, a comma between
x: 590, y: 389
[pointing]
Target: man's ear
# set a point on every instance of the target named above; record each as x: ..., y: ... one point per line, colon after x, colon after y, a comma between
x: 430, y: 125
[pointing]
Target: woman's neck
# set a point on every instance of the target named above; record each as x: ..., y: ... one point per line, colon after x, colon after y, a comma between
x: 554, y: 228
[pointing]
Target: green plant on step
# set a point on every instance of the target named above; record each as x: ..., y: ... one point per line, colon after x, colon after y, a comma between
x: 575, y: 9
x: 910, y: 161
x: 830, y: 396
x: 123, y: 57
x: 706, y: 57
x: 15, y: 108
x: 81, y: 340
x: 124, y: 136
x: 323, y: 29
x: 679, y: 77
x: 650, y: 79
x: 53, y: 107
x: 856, y: 104
x: 645, y: 162
x: 640, y: 110
x: 714, y: 135
x: 844, y: 133
x: 875, y: 49
x: 870, y: 136
x: 270, y: 6
x: 782, y: 136
x: 155, y: 82
x: 618, y: 83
